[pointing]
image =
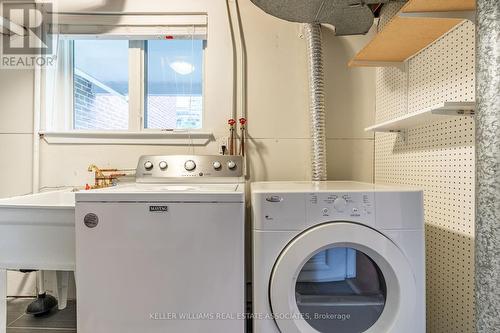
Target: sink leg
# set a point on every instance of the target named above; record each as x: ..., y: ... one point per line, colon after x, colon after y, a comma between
x: 62, y: 288
x: 3, y: 301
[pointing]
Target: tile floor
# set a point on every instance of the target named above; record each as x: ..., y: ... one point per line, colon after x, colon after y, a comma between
x: 55, y: 322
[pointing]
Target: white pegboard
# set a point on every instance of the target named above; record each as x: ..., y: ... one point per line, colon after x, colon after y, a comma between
x: 388, y: 11
x: 391, y: 102
x: 444, y: 71
x: 438, y: 157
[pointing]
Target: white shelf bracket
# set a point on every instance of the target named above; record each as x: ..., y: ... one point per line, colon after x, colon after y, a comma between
x: 442, y: 111
x: 466, y: 15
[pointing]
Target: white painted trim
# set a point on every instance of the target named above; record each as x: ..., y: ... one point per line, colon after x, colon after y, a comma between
x: 130, y: 33
x: 37, y: 111
x: 57, y: 90
x: 135, y: 79
x: 69, y: 100
x: 172, y: 138
x: 145, y: 86
x: 130, y: 27
x: 196, y: 19
x: 468, y: 15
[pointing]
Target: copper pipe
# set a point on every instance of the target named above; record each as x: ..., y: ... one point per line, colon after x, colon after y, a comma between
x: 243, y: 130
x: 232, y: 137
x: 101, y: 180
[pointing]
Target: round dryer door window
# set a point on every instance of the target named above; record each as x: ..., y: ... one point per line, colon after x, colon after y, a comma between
x: 342, y: 277
x: 340, y: 289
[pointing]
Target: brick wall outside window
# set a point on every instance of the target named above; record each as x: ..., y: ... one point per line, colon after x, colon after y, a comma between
x: 97, y: 109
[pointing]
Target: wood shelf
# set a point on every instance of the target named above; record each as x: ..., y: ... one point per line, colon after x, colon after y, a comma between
x: 443, y: 111
x: 411, y: 31
x: 425, y: 6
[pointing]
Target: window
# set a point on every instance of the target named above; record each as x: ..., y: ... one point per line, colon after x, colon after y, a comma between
x: 174, y: 84
x: 132, y: 79
x: 171, y: 72
x: 100, y: 85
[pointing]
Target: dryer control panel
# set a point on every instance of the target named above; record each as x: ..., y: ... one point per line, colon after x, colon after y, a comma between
x: 351, y: 206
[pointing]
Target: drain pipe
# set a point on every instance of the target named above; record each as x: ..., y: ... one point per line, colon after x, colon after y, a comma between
x: 317, y: 101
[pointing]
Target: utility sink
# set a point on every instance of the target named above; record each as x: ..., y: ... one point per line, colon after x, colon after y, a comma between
x: 38, y: 231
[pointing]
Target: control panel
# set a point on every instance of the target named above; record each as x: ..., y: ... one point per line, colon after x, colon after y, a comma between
x: 338, y: 206
x: 188, y: 166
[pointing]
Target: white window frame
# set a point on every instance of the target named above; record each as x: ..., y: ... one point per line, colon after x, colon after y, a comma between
x: 136, y: 85
x: 137, y: 29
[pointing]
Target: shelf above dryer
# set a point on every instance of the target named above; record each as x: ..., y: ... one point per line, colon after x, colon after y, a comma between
x: 443, y: 111
x: 415, y: 27
x: 429, y: 7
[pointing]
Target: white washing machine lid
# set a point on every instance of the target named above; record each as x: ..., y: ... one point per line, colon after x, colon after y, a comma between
x: 166, y: 192
x: 400, y: 282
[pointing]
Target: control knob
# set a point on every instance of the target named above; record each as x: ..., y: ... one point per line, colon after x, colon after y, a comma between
x: 231, y: 165
x: 190, y: 165
x: 148, y: 165
x: 163, y: 165
x: 217, y: 165
x: 340, y: 204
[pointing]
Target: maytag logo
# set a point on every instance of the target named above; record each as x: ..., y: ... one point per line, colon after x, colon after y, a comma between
x: 158, y: 209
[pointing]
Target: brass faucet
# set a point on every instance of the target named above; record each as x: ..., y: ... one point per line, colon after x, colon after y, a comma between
x: 102, y: 179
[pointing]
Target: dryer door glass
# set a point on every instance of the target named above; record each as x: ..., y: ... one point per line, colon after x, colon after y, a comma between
x: 340, y: 289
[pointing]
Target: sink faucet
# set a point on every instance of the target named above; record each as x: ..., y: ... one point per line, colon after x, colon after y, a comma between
x: 102, y: 179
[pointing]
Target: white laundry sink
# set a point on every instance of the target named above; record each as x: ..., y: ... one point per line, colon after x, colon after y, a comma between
x: 38, y: 231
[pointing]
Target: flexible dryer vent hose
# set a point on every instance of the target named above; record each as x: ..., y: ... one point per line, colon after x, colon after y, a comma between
x: 317, y: 100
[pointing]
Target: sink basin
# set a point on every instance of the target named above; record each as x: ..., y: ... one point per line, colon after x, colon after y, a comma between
x: 49, y: 200
x: 38, y: 231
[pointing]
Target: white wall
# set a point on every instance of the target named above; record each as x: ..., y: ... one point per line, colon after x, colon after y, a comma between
x: 350, y: 102
x: 16, y: 131
x: 16, y: 138
x: 279, y: 140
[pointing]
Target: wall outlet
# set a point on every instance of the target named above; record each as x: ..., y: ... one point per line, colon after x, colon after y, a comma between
x: 223, y: 145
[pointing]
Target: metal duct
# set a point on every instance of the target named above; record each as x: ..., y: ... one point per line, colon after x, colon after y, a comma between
x: 487, y: 251
x: 317, y: 100
x: 349, y: 17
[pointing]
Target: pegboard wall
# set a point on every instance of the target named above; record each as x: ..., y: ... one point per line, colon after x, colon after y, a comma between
x: 438, y: 157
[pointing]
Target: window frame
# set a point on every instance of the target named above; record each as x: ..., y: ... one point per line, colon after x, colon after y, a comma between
x: 54, y: 125
x: 143, y: 117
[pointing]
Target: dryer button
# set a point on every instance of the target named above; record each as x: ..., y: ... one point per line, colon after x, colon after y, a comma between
x: 274, y: 198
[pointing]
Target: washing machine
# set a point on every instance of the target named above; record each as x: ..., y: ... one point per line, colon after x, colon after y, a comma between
x: 164, y: 253
x: 337, y: 257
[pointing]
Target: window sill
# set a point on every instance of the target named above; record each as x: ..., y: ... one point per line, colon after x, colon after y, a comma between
x: 166, y: 138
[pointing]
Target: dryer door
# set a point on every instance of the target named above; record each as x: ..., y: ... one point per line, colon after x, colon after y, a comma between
x: 342, y: 277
